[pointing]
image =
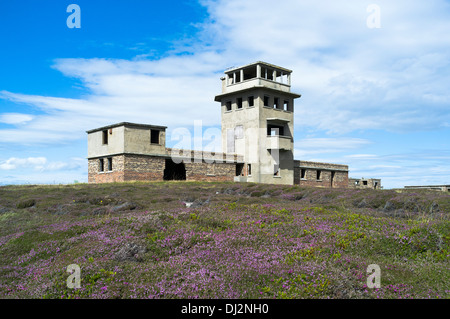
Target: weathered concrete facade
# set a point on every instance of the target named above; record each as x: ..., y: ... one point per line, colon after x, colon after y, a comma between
x: 257, y: 117
x: 364, y: 183
x: 257, y: 110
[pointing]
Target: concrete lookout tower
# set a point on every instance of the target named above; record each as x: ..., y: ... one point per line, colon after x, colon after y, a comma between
x: 257, y: 113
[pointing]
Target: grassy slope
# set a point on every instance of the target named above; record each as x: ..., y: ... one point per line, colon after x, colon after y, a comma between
x: 235, y: 241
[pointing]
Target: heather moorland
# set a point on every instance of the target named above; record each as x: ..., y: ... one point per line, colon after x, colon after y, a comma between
x: 222, y: 240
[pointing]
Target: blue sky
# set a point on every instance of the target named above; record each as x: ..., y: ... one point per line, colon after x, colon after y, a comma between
x: 376, y: 99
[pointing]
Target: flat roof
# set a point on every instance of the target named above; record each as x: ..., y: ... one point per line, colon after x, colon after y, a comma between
x: 137, y: 125
x: 273, y: 66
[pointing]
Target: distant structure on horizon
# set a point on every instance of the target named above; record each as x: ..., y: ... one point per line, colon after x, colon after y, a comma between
x: 443, y: 188
x: 257, y: 120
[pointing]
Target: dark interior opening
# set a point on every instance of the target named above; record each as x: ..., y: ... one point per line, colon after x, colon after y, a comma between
x: 154, y: 136
x: 174, y: 171
x: 239, y: 169
x: 105, y: 137
x: 302, y: 173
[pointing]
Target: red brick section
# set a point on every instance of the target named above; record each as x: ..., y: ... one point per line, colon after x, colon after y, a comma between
x: 129, y: 167
x: 217, y: 172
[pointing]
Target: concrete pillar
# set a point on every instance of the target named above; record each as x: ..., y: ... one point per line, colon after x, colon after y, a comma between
x: 274, y: 75
x: 258, y: 71
x: 289, y: 79
x: 242, y: 75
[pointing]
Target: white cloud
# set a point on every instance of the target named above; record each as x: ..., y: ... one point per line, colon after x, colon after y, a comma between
x: 351, y: 77
x: 30, y: 162
x: 42, y: 164
x: 15, y: 118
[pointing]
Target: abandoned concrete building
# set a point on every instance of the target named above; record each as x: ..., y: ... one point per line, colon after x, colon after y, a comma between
x: 361, y: 183
x: 257, y: 125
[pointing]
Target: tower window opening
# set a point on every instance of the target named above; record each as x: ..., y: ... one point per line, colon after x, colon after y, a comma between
x: 101, y: 164
x: 319, y: 175
x: 239, y: 102
x: 249, y: 73
x: 110, y: 164
x: 286, y: 105
x: 273, y: 130
x: 228, y: 105
x: 249, y: 169
x: 251, y: 101
x: 275, y: 103
x: 266, y: 100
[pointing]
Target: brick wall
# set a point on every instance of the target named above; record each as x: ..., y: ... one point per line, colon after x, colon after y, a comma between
x: 325, y: 179
x: 210, y: 171
x: 144, y: 168
x: 95, y: 175
x: 128, y: 167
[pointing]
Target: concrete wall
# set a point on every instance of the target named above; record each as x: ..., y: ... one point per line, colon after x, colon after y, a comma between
x: 137, y: 140
x: 256, y: 147
x: 116, y: 142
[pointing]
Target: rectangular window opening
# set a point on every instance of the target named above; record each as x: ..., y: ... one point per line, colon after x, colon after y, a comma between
x: 273, y: 130
x: 319, y: 175
x: 239, y: 102
x: 249, y: 169
x: 275, y: 103
x: 101, y: 165
x: 154, y: 136
x: 228, y: 105
x: 110, y: 167
x: 286, y: 105
x: 364, y: 182
x: 251, y: 101
x: 266, y: 100
x: 303, y: 173
x: 250, y: 73
x: 105, y: 137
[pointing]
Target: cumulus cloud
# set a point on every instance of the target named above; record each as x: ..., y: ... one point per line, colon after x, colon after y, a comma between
x: 41, y: 164
x: 351, y: 77
x: 30, y: 162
